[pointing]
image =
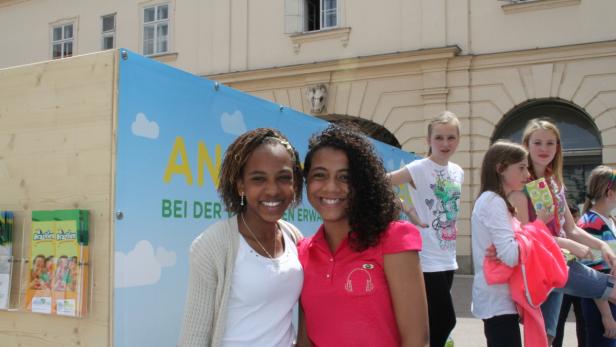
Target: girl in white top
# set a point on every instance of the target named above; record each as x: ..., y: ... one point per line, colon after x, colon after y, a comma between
x: 504, y: 170
x: 245, y: 276
x: 437, y: 185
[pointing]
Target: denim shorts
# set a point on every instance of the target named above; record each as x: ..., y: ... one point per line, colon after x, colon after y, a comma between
x: 586, y: 282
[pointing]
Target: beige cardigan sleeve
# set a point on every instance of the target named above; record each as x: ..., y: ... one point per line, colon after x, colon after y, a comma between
x: 201, y: 296
x: 211, y: 261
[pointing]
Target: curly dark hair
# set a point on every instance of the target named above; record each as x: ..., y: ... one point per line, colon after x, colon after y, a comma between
x: 237, y: 155
x: 371, y: 205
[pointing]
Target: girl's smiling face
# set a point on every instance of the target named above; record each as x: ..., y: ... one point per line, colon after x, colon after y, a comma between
x: 542, y: 147
x: 267, y: 183
x: 327, y: 184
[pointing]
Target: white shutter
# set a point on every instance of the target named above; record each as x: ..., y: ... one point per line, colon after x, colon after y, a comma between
x: 293, y: 22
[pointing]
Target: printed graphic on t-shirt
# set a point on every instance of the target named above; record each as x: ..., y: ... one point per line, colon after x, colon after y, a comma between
x: 359, y: 280
x: 445, y: 209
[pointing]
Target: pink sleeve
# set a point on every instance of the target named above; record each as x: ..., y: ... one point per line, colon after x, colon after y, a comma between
x: 401, y: 236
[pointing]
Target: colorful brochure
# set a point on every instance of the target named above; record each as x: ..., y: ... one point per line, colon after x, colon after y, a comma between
x: 540, y: 195
x: 42, y: 263
x: 58, y: 279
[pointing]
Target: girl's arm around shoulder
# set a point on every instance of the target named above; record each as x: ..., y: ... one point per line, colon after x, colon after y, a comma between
x: 302, y: 334
x: 408, y: 296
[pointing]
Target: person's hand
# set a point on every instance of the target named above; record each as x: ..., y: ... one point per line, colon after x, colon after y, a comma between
x: 491, y: 252
x: 608, y: 256
x: 609, y: 326
x: 545, y: 215
x: 581, y: 251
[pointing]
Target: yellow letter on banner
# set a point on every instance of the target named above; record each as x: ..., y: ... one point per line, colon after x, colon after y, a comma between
x: 204, y: 156
x: 173, y: 168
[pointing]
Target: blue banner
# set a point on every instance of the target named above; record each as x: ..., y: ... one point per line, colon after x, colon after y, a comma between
x: 172, y: 132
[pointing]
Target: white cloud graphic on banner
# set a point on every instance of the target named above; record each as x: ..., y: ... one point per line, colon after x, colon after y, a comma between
x: 141, y: 266
x: 233, y: 124
x: 144, y: 127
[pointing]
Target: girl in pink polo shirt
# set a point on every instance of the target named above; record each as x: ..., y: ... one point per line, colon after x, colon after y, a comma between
x: 363, y: 284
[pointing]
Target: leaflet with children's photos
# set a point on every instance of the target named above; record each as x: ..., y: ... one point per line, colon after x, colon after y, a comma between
x: 58, y: 277
x: 41, y: 264
x: 68, y: 287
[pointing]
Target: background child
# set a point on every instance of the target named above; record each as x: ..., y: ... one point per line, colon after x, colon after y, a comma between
x: 542, y: 139
x: 601, y: 199
x: 437, y: 185
x: 568, y: 302
x: 504, y: 170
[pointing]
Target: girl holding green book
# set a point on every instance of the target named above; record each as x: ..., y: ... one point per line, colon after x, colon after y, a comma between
x: 542, y: 139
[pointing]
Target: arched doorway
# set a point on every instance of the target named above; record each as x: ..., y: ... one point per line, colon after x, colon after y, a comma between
x: 580, y: 138
x: 371, y: 129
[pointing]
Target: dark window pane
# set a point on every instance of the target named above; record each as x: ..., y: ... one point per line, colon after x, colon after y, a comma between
x: 109, y: 23
x: 68, y: 31
x: 163, y: 12
x: 56, y: 51
x: 108, y: 42
x: 68, y: 49
x: 313, y: 15
x: 148, y: 14
x: 57, y: 33
x: 329, y: 4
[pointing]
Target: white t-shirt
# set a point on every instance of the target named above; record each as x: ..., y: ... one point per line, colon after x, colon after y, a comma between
x: 262, y: 296
x: 437, y: 200
x: 491, y: 223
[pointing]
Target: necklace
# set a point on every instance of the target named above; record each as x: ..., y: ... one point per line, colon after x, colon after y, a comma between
x: 257, y: 239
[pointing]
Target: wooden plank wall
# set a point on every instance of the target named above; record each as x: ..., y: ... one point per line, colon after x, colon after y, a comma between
x: 56, y: 143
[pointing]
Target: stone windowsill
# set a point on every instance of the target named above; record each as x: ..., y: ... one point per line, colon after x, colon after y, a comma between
x: 164, y: 57
x: 341, y: 34
x: 536, y: 5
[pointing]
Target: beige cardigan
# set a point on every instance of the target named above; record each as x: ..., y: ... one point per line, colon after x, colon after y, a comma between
x: 212, y: 257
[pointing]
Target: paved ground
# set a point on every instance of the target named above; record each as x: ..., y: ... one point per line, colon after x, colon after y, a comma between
x: 469, y: 330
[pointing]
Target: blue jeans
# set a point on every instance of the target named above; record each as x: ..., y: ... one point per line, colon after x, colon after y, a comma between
x: 584, y: 282
x: 551, y: 310
x: 594, y: 324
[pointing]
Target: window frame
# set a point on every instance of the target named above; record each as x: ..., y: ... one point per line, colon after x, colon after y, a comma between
x: 320, y: 15
x: 324, y: 12
x: 108, y: 33
x: 156, y: 23
x: 63, y: 40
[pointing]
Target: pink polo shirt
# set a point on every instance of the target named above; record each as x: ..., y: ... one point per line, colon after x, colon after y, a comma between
x: 345, y: 297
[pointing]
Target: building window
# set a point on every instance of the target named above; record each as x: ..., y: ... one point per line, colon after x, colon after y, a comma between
x: 156, y: 29
x: 108, y: 30
x: 320, y: 14
x: 62, y: 41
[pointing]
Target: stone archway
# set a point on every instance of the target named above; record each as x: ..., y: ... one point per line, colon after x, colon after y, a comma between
x: 371, y: 129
